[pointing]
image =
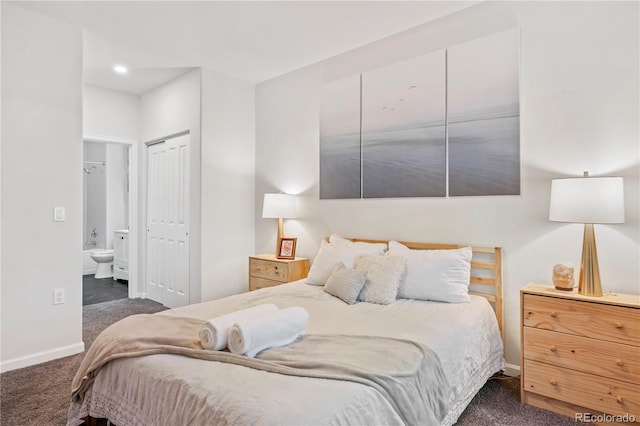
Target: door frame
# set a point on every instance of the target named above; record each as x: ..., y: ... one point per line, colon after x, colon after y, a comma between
x: 134, y: 287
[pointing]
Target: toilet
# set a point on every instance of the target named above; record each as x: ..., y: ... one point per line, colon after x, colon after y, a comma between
x: 104, y: 258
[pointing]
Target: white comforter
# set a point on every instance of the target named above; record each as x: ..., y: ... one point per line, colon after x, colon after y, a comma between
x: 176, y: 390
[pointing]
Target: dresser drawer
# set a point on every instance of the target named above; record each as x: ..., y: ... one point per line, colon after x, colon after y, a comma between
x: 270, y: 270
x: 615, y: 360
x: 258, y: 283
x: 587, y: 390
x: 606, y: 322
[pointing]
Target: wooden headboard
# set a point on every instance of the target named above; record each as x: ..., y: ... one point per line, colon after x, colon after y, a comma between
x: 486, y: 271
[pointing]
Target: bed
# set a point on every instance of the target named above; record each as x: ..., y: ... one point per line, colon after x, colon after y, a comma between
x: 465, y: 339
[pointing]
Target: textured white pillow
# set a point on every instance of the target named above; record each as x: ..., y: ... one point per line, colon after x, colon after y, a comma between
x: 384, y: 274
x: 440, y: 275
x: 330, y: 254
x: 345, y: 283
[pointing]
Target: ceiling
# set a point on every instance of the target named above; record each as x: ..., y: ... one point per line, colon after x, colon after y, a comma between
x: 248, y: 40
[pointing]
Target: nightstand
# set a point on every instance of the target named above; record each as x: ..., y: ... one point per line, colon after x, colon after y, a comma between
x: 265, y: 270
x: 580, y: 355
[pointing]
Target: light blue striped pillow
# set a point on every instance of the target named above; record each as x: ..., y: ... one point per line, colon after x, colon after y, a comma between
x: 345, y: 283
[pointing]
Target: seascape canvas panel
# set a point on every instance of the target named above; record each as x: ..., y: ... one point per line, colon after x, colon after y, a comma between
x: 442, y: 124
x: 484, y: 116
x: 340, y: 168
x: 403, y: 129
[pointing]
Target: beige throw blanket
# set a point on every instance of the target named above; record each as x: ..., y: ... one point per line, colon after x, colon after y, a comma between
x: 406, y: 373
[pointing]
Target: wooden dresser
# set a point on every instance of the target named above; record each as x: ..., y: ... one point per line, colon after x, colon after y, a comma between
x: 265, y: 270
x: 580, y: 354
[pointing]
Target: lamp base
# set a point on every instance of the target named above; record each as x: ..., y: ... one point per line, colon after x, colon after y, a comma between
x: 589, y: 284
x: 280, y: 235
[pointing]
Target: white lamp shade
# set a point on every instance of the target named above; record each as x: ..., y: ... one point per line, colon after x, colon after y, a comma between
x: 587, y: 200
x: 279, y: 206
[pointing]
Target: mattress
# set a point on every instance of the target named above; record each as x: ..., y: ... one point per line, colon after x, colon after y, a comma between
x: 172, y: 390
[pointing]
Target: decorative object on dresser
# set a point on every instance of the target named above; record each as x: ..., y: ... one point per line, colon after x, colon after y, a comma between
x: 588, y: 200
x: 121, y: 254
x: 287, y: 248
x: 563, y: 276
x: 580, y: 355
x: 266, y: 270
x: 279, y: 206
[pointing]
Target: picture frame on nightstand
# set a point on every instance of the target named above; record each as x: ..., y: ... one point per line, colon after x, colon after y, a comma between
x: 287, y: 248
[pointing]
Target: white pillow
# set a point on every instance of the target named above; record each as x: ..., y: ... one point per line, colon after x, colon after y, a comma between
x: 373, y: 248
x: 330, y: 254
x: 384, y: 274
x: 345, y: 283
x: 440, y: 275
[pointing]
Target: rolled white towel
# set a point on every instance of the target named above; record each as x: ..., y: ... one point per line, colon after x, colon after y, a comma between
x: 214, y: 332
x: 274, y: 329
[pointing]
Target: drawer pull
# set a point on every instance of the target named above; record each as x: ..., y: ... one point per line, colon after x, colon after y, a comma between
x: 553, y: 348
x: 553, y: 314
x: 554, y: 382
x: 619, y: 325
x: 619, y: 362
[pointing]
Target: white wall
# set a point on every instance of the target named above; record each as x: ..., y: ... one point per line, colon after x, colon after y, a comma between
x: 579, y: 111
x: 227, y: 165
x: 167, y: 110
x: 117, y: 190
x: 94, y: 196
x: 110, y: 115
x: 219, y: 113
x: 41, y: 168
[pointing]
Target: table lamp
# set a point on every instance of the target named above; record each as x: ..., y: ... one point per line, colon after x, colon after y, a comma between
x: 279, y: 206
x: 588, y: 200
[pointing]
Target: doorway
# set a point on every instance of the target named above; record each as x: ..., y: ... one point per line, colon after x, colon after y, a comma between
x: 109, y: 210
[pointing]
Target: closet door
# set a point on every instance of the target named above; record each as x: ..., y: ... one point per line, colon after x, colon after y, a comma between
x: 168, y: 222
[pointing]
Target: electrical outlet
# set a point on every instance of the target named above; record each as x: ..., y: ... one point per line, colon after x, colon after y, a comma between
x: 58, y: 296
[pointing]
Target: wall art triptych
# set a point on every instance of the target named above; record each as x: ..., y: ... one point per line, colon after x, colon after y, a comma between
x: 444, y: 123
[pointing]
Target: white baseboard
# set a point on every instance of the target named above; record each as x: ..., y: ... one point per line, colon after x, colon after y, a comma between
x: 511, y: 369
x: 40, y: 357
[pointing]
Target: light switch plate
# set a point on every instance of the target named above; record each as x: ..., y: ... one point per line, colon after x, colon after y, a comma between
x: 58, y: 214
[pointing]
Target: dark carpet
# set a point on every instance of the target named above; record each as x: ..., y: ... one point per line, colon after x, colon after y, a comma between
x: 39, y: 395
x: 498, y: 404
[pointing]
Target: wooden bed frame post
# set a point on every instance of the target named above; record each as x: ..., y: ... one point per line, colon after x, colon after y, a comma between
x: 499, y: 302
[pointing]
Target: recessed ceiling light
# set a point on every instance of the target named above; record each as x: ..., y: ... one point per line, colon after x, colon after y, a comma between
x: 120, y: 69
